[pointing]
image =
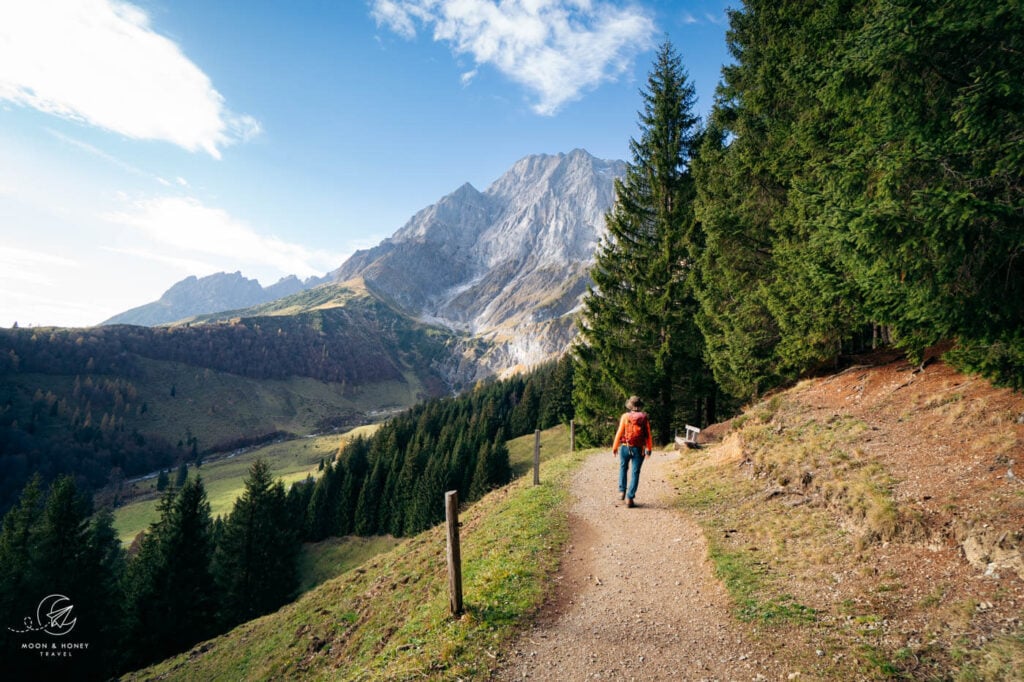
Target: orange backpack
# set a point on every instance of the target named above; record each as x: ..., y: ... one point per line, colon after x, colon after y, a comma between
x: 635, y: 432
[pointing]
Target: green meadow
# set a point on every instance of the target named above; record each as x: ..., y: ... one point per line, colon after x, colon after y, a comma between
x: 224, y: 479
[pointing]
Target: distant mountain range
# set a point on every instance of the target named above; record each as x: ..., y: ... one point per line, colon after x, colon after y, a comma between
x: 505, y: 267
x: 214, y: 293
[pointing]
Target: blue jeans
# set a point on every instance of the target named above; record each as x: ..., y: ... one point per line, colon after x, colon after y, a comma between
x: 627, y: 454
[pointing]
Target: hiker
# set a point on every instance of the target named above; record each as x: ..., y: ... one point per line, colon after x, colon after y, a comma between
x: 632, y: 444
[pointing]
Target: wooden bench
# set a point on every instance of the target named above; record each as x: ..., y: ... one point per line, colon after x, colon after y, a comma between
x: 690, y: 440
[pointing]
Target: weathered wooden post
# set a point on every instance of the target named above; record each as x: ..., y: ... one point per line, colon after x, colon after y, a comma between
x: 572, y: 435
x: 536, y: 457
x: 451, y: 514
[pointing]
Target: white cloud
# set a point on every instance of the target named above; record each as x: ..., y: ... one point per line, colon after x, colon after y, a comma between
x: 100, y: 62
x: 187, y: 232
x: 558, y: 49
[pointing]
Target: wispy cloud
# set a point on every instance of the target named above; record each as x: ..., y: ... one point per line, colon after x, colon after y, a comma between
x: 26, y: 266
x: 100, y: 62
x: 557, y: 49
x: 97, y: 152
x: 192, y: 266
x: 187, y: 232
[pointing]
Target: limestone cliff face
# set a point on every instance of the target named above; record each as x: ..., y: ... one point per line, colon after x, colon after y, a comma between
x: 508, y: 264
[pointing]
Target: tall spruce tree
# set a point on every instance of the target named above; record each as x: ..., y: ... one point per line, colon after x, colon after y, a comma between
x: 170, y: 598
x: 926, y: 194
x: 861, y: 172
x: 255, y: 562
x: 637, y: 333
x: 19, y: 542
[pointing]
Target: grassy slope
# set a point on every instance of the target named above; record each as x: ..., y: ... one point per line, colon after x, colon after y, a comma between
x: 224, y: 479
x: 290, y: 461
x: 833, y: 514
x: 389, y: 620
x: 323, y: 561
x: 217, y: 407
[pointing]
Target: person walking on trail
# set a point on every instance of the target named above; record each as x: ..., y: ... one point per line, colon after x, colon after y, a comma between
x: 633, y: 444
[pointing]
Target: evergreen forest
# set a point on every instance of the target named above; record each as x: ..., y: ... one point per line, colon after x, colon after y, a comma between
x: 857, y: 184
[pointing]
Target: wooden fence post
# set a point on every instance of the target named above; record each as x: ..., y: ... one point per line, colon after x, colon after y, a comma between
x: 572, y: 435
x: 451, y: 514
x: 536, y: 457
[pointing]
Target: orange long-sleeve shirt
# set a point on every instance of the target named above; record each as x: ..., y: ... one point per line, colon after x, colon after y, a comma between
x: 646, y: 435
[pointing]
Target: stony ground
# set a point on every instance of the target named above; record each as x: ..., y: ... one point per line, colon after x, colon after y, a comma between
x: 636, y: 598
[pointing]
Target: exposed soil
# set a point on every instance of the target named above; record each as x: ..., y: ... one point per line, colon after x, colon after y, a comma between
x: 636, y: 598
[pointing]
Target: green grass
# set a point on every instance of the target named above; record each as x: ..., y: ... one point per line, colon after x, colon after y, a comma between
x: 322, y: 561
x: 999, y: 659
x: 748, y: 579
x: 553, y: 442
x: 224, y: 479
x: 389, y: 619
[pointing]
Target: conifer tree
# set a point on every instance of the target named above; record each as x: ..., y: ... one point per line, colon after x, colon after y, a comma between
x: 170, y: 599
x: 101, y: 596
x: 355, y: 465
x: 367, y: 520
x: 20, y: 585
x: 772, y: 300
x: 556, y: 403
x: 255, y: 563
x: 926, y: 194
x: 861, y: 171
x: 637, y: 334
x: 492, y: 467
x: 18, y: 546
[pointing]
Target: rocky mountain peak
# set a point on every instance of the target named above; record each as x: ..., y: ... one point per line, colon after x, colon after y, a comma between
x: 509, y: 263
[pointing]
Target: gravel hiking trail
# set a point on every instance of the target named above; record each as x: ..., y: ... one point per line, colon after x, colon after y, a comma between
x: 636, y: 597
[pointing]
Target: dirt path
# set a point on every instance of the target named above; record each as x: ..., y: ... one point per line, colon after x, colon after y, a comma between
x: 636, y: 598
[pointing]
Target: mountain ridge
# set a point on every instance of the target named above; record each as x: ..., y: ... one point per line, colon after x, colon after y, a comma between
x: 210, y: 294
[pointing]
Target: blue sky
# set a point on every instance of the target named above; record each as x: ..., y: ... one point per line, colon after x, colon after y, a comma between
x: 147, y: 141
